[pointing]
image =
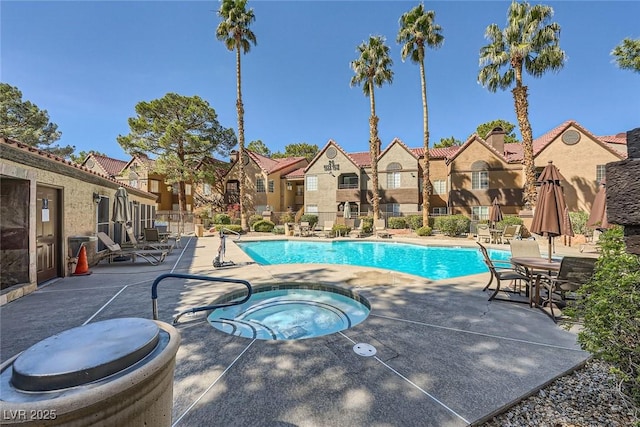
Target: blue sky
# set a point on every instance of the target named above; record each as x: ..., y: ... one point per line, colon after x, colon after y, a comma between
x: 89, y: 63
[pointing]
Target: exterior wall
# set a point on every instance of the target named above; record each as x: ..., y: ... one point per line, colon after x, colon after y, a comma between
x: 79, y: 214
x: 505, y: 181
x: 407, y: 196
x: 438, y: 171
x: 577, y: 163
x: 328, y: 197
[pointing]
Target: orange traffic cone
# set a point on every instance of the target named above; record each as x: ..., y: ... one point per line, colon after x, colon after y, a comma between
x: 82, y: 269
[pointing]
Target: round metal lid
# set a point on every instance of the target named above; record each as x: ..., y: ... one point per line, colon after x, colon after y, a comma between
x: 364, y: 349
x: 84, y: 354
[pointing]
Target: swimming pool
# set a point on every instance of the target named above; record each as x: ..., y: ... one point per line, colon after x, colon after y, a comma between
x: 432, y: 262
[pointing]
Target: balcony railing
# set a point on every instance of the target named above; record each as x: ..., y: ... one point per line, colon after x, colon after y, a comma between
x: 347, y: 186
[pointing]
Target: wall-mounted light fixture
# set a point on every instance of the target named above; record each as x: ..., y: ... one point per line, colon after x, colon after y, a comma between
x: 289, y: 186
x: 96, y: 198
x: 169, y: 188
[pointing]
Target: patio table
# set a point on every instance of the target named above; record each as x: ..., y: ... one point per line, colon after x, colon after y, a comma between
x: 534, y: 263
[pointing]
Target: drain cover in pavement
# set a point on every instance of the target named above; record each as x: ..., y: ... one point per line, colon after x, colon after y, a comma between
x: 363, y: 349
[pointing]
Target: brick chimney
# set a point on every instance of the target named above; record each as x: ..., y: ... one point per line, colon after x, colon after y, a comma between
x: 233, y: 156
x: 495, y: 138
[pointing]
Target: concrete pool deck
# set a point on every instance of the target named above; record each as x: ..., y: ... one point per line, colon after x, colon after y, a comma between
x: 445, y: 355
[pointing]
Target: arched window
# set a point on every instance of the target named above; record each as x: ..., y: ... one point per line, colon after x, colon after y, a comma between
x: 393, y: 175
x: 479, y: 175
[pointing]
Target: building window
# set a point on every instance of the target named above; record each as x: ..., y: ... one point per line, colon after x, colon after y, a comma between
x: 187, y: 189
x: 393, y: 179
x: 188, y: 207
x: 233, y: 186
x: 479, y: 180
x: 207, y: 189
x: 440, y: 186
x: 272, y: 186
x: 155, y: 186
x: 312, y: 183
x: 600, y: 173
x: 260, y: 185
x: 311, y: 209
x: 392, y: 209
x: 103, y: 217
x: 133, y: 183
x: 479, y: 213
x: 439, y: 211
x: 299, y: 190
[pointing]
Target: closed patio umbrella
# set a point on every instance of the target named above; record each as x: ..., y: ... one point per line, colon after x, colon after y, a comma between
x: 598, y: 215
x: 551, y: 216
x: 347, y: 210
x: 121, y: 208
x: 495, y: 215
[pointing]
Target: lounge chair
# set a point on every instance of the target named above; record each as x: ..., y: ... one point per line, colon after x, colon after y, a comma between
x: 305, y: 229
x: 483, y: 234
x: 511, y: 232
x: 327, y: 229
x: 153, y: 235
x: 381, y: 229
x: 502, y: 270
x: 574, y: 272
x: 152, y: 256
x: 146, y: 244
x: 358, y: 231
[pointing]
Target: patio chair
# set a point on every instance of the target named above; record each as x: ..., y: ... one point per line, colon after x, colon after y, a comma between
x: 358, y: 231
x: 381, y: 229
x: 502, y: 270
x: 511, y: 232
x: 152, y: 256
x: 483, y: 234
x: 574, y: 272
x: 146, y: 244
x: 153, y: 236
x: 327, y: 229
x: 524, y: 249
x: 305, y: 229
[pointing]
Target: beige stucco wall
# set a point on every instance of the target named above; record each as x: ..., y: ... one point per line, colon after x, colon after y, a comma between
x: 78, y: 208
x: 577, y: 163
x: 439, y: 171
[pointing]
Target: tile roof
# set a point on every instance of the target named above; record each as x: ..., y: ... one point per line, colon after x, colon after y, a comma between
x: 541, y: 142
x: 619, y: 138
x: 111, y: 166
x: 46, y: 155
x: 295, y: 174
x: 270, y: 165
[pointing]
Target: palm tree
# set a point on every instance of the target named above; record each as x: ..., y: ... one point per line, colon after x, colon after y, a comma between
x: 235, y: 33
x: 530, y: 41
x: 417, y: 29
x: 373, y: 68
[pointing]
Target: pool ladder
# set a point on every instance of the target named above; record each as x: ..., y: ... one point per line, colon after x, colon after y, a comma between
x: 154, y: 293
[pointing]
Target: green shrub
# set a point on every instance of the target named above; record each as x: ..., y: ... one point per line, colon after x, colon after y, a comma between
x: 232, y: 227
x: 579, y: 222
x: 452, y: 225
x: 264, y: 226
x: 278, y: 229
x: 253, y: 219
x: 311, y: 219
x: 609, y: 311
x: 509, y: 220
x: 397, y: 223
x: 341, y: 229
x: 414, y: 221
x: 424, y: 231
x: 221, y: 219
x: 287, y: 217
x: 367, y: 224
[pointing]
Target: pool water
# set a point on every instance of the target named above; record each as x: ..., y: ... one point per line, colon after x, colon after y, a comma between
x: 432, y: 262
x: 291, y: 314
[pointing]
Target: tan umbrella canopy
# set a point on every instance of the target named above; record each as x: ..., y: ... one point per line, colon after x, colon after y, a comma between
x: 347, y: 210
x: 121, y: 209
x: 495, y: 215
x: 598, y: 214
x: 551, y: 216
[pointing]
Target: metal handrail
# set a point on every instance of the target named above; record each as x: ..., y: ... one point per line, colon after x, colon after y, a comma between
x: 231, y: 231
x: 154, y: 293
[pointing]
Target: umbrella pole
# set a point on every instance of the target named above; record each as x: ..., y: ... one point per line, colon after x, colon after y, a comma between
x: 550, y: 248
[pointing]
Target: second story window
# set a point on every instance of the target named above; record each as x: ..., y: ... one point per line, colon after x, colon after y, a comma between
x: 440, y: 186
x: 600, y: 173
x: 479, y: 180
x: 260, y: 185
x: 206, y: 190
x: 272, y: 186
x: 187, y: 189
x: 393, y: 179
x: 312, y: 183
x: 154, y: 186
